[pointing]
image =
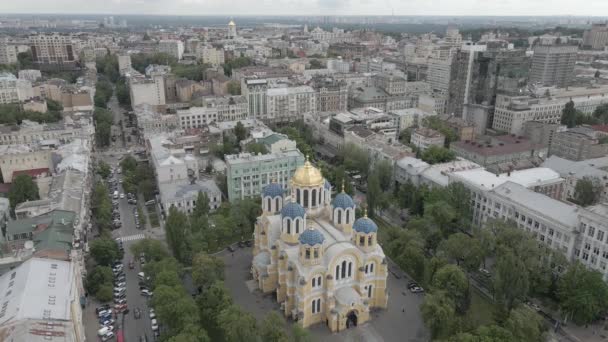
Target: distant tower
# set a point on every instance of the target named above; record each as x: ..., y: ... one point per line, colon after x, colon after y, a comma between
x: 231, y: 30
x: 305, y: 28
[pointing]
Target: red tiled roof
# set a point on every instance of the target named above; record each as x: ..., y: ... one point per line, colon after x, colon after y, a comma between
x: 602, y: 128
x: 5, y: 188
x: 32, y: 172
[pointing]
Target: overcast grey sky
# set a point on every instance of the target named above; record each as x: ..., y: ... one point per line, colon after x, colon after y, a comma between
x: 314, y: 7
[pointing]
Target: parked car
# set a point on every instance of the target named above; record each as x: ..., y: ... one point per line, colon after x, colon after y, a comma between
x: 152, y: 314
x: 108, y: 322
x: 107, y: 336
x: 102, y: 308
x: 121, y: 301
x: 154, y: 325
x: 230, y: 249
x: 146, y: 292
x: 104, y: 312
x: 120, y: 307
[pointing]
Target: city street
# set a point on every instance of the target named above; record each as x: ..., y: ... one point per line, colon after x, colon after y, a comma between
x: 133, y: 328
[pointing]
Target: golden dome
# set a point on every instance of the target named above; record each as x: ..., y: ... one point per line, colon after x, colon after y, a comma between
x: 231, y: 23
x: 307, y: 176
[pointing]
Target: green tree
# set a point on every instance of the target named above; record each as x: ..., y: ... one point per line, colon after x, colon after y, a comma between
x: 510, y: 287
x: 315, y: 64
x: 23, y: 188
x: 103, y: 125
x: 103, y: 169
x: 405, y: 196
x: 234, y: 88
x: 122, y: 93
x: 175, y: 308
x: 99, y: 276
x: 300, y: 334
x: 437, y: 154
x: 191, y: 333
x: 525, y: 325
x: 273, y: 328
x: 104, y: 293
x: 354, y: 158
x: 206, y: 270
x: 451, y: 279
x: 54, y: 106
x: 151, y: 248
x: 201, y: 208
x: 384, y: 170
x: 463, y: 249
x: 105, y: 250
x: 582, y: 294
x: 569, y: 115
x: 438, y: 313
x: 240, y: 132
x: 601, y: 113
x: 128, y: 164
x: 373, y: 195
x: 210, y: 303
x: 405, y: 136
x: 237, y: 325
x: 587, y: 191
x: 177, y: 228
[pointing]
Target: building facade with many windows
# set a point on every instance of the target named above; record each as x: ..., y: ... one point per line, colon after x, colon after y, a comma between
x: 247, y: 174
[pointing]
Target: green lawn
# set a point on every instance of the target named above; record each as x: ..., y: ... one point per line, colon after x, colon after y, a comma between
x: 481, y: 311
x: 152, y: 216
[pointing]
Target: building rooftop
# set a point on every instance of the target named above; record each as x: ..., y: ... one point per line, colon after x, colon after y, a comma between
x: 186, y: 189
x: 428, y: 133
x: 483, y: 179
x: 284, y: 91
x: 577, y: 169
x: 37, y: 289
x: 52, y: 232
x: 502, y: 145
x: 244, y: 158
x: 544, y: 206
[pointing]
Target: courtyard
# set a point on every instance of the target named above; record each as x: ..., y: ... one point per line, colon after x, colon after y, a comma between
x: 402, y: 320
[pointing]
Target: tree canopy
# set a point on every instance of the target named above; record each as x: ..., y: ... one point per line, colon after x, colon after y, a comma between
x: 23, y: 188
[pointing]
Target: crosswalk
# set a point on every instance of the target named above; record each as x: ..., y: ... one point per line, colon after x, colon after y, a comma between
x: 133, y: 237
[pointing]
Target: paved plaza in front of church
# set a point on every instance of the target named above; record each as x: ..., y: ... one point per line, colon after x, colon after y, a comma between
x: 402, y: 321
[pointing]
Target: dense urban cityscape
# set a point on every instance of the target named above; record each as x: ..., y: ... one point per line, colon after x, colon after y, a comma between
x: 313, y: 177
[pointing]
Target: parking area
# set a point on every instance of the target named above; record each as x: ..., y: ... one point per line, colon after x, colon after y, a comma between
x: 402, y: 320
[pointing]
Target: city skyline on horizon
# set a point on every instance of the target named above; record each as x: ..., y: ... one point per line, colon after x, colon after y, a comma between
x: 498, y: 8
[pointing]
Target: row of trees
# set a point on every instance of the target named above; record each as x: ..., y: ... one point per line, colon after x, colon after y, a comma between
x: 203, y: 231
x: 103, y: 92
x: 572, y: 117
x: 138, y: 178
x: 211, y: 315
x: 13, y: 114
x: 103, y: 126
x: 301, y: 134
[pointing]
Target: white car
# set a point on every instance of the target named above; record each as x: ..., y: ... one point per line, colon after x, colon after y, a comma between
x: 121, y: 284
x: 146, y: 292
x: 154, y: 325
x: 107, y: 336
x: 122, y: 196
x: 152, y: 314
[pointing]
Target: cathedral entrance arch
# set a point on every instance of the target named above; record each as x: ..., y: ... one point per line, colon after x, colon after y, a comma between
x: 351, y: 319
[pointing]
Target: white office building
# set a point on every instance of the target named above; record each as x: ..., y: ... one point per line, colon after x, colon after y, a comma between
x: 172, y: 47
x: 290, y: 103
x: 147, y: 91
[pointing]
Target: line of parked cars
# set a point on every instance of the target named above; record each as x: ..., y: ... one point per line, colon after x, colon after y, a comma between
x: 107, y: 313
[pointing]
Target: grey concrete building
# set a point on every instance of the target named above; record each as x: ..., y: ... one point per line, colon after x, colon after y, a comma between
x: 553, y: 65
x: 578, y: 143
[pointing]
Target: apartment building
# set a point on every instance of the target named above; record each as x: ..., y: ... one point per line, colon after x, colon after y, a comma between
x: 172, y: 47
x: 213, y: 109
x: 247, y: 174
x: 147, y: 91
x: 22, y: 158
x: 592, y: 250
x: 573, y: 171
x: 183, y: 195
x: 332, y: 95
x: 288, y: 104
x: 32, y: 133
x: 53, y: 51
x: 597, y: 37
x: 499, y: 149
x: 578, y: 143
x: 13, y: 90
x: 211, y: 55
x: 424, y: 138
x: 255, y: 91
x: 513, y: 110
x: 8, y: 53
x: 553, y: 65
